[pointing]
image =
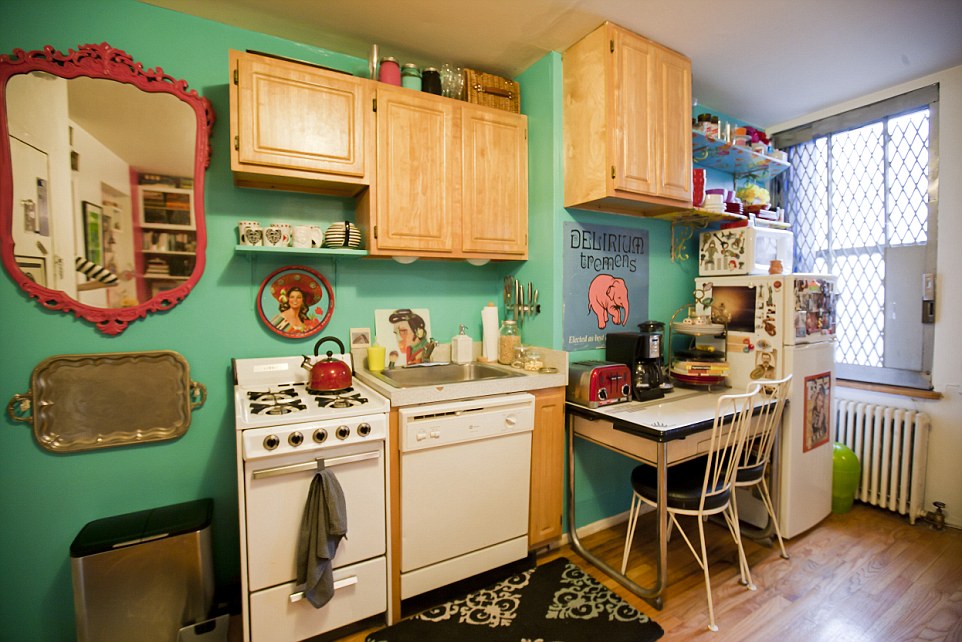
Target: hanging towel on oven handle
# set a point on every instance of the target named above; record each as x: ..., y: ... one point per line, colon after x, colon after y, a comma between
x: 323, y: 525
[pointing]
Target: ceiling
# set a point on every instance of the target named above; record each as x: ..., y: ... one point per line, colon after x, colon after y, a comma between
x: 763, y: 61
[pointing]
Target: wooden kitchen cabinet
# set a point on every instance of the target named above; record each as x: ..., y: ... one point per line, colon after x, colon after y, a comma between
x: 494, y: 152
x: 547, y: 467
x: 417, y: 206
x: 434, y: 177
x: 452, y: 179
x: 627, y: 124
x: 299, y: 127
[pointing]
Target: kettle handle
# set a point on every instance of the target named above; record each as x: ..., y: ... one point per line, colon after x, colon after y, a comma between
x: 317, y: 345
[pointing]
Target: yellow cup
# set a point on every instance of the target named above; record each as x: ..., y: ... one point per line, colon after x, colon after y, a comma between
x: 375, y: 358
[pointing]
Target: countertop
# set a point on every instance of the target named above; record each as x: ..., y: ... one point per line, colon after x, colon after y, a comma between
x: 431, y: 394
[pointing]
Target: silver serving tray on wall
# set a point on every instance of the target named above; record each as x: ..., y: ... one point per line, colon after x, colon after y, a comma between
x: 80, y: 402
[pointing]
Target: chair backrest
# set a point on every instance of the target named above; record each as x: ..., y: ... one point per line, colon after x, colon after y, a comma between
x: 728, y: 435
x: 767, y: 422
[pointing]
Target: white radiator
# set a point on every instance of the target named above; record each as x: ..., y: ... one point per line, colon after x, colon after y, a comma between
x: 891, y: 444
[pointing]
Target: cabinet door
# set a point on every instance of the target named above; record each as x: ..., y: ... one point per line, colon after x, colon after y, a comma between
x: 294, y: 116
x: 495, y: 182
x: 673, y: 115
x: 633, y: 135
x: 418, y: 172
x: 547, y: 466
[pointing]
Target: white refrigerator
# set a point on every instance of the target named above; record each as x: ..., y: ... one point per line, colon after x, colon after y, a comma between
x: 776, y: 325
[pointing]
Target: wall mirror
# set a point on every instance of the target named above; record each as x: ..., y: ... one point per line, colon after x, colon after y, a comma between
x: 101, y: 183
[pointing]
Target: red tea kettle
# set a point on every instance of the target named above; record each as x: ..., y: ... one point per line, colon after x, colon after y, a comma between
x: 327, y: 374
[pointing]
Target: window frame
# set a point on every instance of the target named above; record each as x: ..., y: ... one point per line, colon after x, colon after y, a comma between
x: 853, y: 119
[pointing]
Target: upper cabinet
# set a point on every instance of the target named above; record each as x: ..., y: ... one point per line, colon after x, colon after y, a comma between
x: 418, y: 195
x: 298, y: 127
x: 434, y: 177
x: 494, y: 152
x: 452, y: 179
x: 627, y: 124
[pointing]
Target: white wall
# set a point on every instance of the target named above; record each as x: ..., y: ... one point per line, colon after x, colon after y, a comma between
x: 100, y: 171
x: 944, y: 476
x: 33, y: 102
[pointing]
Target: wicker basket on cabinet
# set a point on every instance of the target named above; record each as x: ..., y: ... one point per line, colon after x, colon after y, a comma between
x: 492, y: 91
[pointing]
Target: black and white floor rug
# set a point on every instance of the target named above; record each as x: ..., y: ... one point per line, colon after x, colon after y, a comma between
x: 556, y: 602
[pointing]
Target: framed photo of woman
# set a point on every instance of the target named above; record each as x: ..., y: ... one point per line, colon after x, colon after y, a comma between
x: 818, y: 406
x: 295, y: 302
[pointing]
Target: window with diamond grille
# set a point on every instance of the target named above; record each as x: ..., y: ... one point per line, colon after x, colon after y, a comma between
x: 861, y: 202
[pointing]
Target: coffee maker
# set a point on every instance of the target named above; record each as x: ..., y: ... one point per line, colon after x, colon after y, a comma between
x: 643, y: 353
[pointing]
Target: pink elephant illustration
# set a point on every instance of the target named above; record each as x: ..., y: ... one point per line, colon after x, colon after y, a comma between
x: 608, y: 295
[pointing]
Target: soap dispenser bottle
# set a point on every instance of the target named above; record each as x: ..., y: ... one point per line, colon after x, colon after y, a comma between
x: 462, y: 347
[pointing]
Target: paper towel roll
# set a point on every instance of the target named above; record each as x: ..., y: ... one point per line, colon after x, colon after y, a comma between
x: 489, y: 330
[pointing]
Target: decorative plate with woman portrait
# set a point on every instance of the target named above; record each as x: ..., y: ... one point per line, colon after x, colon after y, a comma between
x: 295, y: 302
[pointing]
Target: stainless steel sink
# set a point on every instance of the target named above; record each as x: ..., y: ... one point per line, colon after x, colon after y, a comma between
x: 442, y: 374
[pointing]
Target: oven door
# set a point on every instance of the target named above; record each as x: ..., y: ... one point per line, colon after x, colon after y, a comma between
x: 276, y: 494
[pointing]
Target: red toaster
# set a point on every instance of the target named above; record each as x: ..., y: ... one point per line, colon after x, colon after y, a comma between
x: 598, y: 383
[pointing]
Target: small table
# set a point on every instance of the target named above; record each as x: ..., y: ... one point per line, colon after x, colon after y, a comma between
x: 662, y: 432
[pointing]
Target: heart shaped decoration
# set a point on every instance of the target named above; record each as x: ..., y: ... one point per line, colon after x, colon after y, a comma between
x: 273, y: 235
x: 253, y: 236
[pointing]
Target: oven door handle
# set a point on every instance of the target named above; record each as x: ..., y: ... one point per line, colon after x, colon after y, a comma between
x: 317, y: 464
x: 338, y: 584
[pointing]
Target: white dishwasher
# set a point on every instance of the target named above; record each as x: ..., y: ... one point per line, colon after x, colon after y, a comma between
x: 465, y: 476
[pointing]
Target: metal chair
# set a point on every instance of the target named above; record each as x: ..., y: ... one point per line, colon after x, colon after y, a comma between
x: 757, y: 453
x: 701, y: 487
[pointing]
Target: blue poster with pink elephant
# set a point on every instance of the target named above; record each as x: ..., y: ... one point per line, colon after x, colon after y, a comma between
x: 605, y: 283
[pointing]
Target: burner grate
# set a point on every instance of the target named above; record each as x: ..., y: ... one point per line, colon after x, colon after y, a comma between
x: 277, y: 408
x: 266, y: 397
x: 346, y: 398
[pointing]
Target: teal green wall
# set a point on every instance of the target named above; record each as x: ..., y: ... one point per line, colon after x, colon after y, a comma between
x: 602, y: 489
x: 46, y: 498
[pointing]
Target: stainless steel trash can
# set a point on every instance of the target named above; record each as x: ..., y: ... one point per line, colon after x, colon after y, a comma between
x: 145, y: 575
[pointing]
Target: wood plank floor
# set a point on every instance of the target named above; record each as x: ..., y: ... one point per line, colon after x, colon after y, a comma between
x: 866, y: 576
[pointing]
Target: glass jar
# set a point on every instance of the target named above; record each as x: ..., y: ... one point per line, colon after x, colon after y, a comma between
x: 518, y: 357
x: 431, y: 81
x: 411, y: 76
x: 389, y: 71
x: 509, y: 339
x: 533, y: 361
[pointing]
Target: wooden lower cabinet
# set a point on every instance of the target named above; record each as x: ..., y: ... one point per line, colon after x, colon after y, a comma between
x: 547, y: 467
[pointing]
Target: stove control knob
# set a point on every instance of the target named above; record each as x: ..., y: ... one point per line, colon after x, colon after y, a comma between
x: 295, y: 439
x: 364, y: 429
x: 320, y: 436
x: 342, y: 432
x: 271, y: 442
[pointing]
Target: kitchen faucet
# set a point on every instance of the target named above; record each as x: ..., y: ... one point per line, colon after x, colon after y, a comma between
x: 429, y: 348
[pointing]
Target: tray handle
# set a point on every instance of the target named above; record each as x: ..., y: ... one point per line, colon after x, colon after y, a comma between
x: 20, y: 407
x: 198, y: 395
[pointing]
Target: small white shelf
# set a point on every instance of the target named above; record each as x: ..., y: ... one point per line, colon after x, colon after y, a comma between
x: 301, y: 251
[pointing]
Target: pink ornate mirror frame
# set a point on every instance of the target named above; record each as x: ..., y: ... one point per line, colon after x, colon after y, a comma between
x: 104, y: 62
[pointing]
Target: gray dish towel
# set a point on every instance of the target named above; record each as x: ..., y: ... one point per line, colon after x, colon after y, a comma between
x: 322, y: 527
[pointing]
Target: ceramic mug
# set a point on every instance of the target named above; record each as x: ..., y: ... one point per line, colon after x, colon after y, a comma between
x: 317, y: 236
x: 274, y: 236
x: 250, y: 233
x: 301, y: 236
x: 286, y: 231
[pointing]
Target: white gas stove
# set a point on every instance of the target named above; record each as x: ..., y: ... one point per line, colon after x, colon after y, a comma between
x: 285, y: 434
